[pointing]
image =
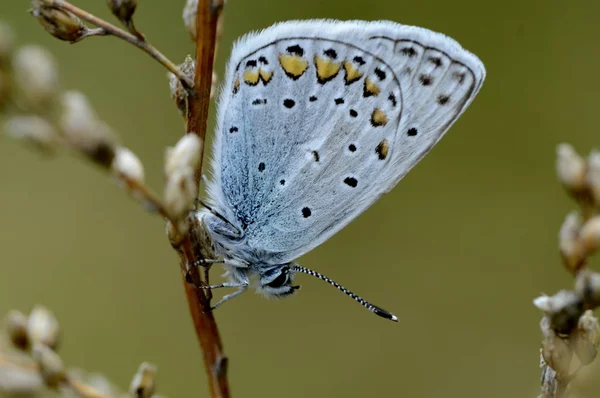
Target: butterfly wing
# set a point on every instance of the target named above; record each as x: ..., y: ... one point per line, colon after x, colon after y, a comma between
x: 318, y: 119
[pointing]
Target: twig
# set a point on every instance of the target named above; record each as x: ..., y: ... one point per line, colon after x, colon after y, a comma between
x: 113, y: 30
x: 193, y: 246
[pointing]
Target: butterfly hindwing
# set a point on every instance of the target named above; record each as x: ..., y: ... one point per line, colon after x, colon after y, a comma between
x: 315, y: 124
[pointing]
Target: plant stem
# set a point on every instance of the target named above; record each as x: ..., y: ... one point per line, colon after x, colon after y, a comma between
x: 113, y: 30
x: 191, y: 250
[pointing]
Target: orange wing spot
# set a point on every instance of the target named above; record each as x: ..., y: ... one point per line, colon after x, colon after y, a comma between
x: 382, y: 149
x: 265, y: 76
x: 378, y: 118
x: 251, y: 77
x: 326, y: 69
x: 293, y: 65
x: 352, y: 72
x: 371, y: 88
x: 236, y: 85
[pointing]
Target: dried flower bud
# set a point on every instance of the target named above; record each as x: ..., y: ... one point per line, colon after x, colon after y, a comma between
x: 33, y: 130
x: 186, y: 154
x: 178, y: 91
x: 563, y: 310
x: 143, y: 384
x: 16, y: 327
x: 587, y: 286
x: 189, y: 17
x: 555, y: 350
x: 7, y: 41
x: 43, y: 327
x: 127, y: 164
x: 569, y: 243
x: 124, y: 10
x: 590, y: 235
x: 593, y: 175
x: 84, y: 131
x: 587, y: 338
x: 51, y: 365
x: 180, y: 192
x: 570, y: 168
x: 58, y: 22
x: 36, y: 75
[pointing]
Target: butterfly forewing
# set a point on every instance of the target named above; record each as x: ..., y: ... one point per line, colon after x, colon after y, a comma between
x: 318, y: 119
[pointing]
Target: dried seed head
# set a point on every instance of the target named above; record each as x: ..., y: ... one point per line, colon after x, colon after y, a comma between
x: 122, y: 9
x: 569, y: 243
x: 143, y: 383
x: 590, y: 235
x: 84, y: 131
x: 178, y: 91
x: 35, y: 75
x: 587, y: 338
x: 127, y: 164
x: 186, y: 154
x: 33, y: 130
x: 51, y: 365
x: 570, y: 168
x: 587, y: 286
x: 555, y: 350
x: 43, y: 327
x: 189, y: 17
x: 16, y: 327
x: 180, y: 193
x: 58, y: 22
x: 593, y: 175
x: 562, y: 310
x: 7, y: 42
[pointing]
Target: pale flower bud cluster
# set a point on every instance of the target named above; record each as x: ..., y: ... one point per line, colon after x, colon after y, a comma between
x: 179, y: 93
x: 189, y: 17
x: 181, y: 163
x: 35, y: 75
x: 578, y: 240
x: 124, y: 10
x: 579, y: 176
x: 143, y: 384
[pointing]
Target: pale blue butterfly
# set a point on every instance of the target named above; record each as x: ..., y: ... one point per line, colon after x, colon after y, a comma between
x: 317, y: 120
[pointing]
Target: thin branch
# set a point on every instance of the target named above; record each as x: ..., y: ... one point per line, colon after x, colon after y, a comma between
x: 194, y: 246
x: 113, y: 30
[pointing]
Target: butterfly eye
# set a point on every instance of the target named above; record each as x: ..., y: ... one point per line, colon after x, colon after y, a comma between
x: 280, y: 281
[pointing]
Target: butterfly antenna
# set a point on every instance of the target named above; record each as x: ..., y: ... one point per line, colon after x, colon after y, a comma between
x: 373, y: 308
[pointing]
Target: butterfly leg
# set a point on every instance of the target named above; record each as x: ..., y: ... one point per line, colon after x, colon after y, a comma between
x: 242, y: 289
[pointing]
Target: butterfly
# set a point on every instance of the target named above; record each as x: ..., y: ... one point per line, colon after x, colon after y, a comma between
x: 317, y: 120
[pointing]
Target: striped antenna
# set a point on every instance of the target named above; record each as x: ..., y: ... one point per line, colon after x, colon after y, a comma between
x: 373, y: 308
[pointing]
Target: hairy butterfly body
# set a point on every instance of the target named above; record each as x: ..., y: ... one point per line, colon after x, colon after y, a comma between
x: 317, y: 120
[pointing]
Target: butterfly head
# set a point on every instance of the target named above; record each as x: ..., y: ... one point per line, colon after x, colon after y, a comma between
x: 277, y: 281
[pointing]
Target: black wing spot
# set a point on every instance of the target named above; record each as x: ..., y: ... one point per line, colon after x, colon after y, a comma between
x: 289, y: 103
x: 306, y: 212
x: 339, y: 101
x: 316, y: 156
x: 437, y: 61
x: 351, y: 182
x: 409, y: 52
x: 443, y: 99
x: 460, y: 77
x: 261, y: 167
x: 331, y: 53
x: 426, y: 80
x: 251, y: 63
x: 380, y: 74
x: 353, y: 113
x: 359, y: 60
x: 233, y: 129
x: 412, y: 132
x: 392, y: 99
x: 296, y: 50
x: 312, y: 98
x: 352, y: 148
x: 282, y: 182
x: 259, y: 101
x: 263, y: 60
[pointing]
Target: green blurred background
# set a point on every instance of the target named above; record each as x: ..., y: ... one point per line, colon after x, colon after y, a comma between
x: 458, y: 250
